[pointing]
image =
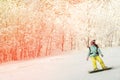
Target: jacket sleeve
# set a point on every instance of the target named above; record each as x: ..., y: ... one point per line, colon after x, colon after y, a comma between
x: 89, y: 52
x: 99, y: 51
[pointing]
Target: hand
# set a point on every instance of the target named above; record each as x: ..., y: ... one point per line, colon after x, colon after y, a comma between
x: 102, y: 55
x: 87, y: 58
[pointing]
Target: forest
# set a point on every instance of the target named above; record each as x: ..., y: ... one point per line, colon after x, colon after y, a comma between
x: 38, y: 28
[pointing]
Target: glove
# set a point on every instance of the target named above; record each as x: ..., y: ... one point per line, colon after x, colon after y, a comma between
x: 87, y: 58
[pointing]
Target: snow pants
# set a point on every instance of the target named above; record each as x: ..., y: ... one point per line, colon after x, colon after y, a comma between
x: 94, y: 62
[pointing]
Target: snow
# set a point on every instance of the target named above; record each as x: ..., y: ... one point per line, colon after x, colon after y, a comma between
x: 71, y: 66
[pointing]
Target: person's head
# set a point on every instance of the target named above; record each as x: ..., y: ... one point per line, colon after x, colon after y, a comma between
x: 92, y: 42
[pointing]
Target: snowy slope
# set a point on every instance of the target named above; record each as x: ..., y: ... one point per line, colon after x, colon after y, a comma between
x: 66, y: 67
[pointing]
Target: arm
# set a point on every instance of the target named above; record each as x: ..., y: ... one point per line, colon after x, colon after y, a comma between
x: 99, y: 51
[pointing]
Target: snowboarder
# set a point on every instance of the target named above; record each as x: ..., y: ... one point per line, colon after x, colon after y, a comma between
x: 94, y: 53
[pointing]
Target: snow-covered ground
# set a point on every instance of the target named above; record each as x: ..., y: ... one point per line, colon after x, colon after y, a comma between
x: 72, y: 66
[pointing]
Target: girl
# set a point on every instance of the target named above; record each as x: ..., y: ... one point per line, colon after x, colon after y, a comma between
x: 94, y: 53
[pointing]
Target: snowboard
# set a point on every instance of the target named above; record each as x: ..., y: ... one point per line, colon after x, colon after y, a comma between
x: 99, y: 70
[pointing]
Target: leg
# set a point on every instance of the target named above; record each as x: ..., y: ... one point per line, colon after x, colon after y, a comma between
x: 93, y: 59
x: 101, y: 62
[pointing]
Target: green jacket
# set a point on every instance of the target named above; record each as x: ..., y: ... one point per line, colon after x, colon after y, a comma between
x: 94, y: 51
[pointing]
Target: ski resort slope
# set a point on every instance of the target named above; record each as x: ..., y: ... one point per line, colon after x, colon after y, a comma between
x: 71, y: 66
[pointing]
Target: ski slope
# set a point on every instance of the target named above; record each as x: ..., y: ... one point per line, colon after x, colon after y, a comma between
x: 71, y: 66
